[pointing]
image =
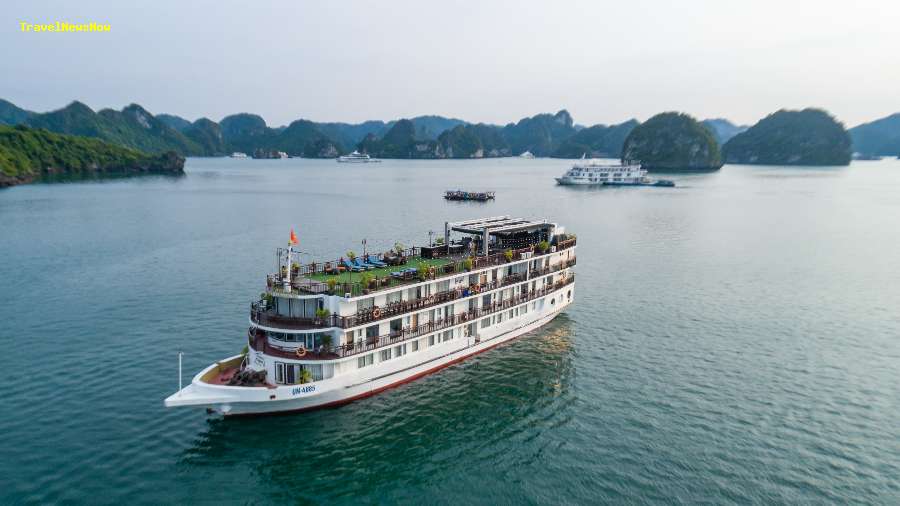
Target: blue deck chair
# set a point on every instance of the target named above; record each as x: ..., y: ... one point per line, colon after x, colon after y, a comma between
x: 359, y: 263
x: 352, y: 267
x: 375, y: 262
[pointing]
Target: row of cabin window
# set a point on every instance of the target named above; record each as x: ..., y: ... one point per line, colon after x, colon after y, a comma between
x: 401, y: 349
x: 310, y: 341
x: 444, y: 286
x: 447, y: 311
x: 499, y: 317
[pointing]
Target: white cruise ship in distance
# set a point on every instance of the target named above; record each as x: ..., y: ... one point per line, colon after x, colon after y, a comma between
x: 597, y: 172
x: 327, y: 333
x: 237, y: 154
x: 356, y: 157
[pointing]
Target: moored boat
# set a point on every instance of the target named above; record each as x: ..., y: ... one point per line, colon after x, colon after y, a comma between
x: 328, y: 333
x: 465, y: 195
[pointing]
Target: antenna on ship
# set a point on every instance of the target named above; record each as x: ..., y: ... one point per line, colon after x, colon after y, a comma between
x: 180, y: 353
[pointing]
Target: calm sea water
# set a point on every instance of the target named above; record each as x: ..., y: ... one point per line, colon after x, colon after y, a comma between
x: 735, y: 340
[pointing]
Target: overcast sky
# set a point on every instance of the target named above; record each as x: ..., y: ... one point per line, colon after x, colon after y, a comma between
x: 484, y: 60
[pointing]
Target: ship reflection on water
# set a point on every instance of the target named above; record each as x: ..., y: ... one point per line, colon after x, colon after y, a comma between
x: 485, y: 402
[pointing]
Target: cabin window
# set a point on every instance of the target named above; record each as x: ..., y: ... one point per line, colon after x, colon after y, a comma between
x: 523, y: 309
x: 384, y: 355
x: 315, y: 371
x: 365, y: 360
x: 366, y: 303
x: 399, y: 351
x: 448, y: 335
x: 371, y: 331
x: 279, y: 372
x: 431, y: 340
x: 570, y: 294
x: 395, y: 296
x: 289, y: 376
x: 396, y: 325
x: 415, y: 345
x: 485, y: 323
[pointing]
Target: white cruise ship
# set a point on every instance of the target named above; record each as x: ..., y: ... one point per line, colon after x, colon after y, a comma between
x: 327, y: 333
x: 237, y: 154
x: 595, y: 171
x: 356, y: 157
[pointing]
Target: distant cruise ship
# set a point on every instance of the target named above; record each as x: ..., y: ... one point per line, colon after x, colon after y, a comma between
x: 526, y: 154
x: 596, y: 172
x: 322, y: 335
x: 238, y: 154
x: 356, y: 157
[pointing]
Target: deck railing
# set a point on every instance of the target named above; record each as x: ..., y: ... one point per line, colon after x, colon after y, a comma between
x: 259, y: 314
x: 409, y: 333
x: 300, y: 284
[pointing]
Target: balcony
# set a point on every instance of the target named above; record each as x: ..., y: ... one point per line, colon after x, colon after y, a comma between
x: 268, y: 318
x: 259, y: 342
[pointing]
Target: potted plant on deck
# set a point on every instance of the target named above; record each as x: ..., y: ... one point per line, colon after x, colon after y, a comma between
x: 508, y: 255
x: 543, y: 246
x: 331, y: 282
x: 468, y: 263
x: 365, y: 281
x: 321, y: 314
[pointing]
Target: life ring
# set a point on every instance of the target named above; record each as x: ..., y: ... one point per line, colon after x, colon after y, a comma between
x: 476, y: 288
x: 300, y: 351
x: 376, y: 313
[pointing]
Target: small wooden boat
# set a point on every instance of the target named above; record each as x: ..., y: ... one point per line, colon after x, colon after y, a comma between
x: 464, y: 195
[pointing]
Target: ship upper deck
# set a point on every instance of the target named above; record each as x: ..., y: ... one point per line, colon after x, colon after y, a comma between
x: 484, y: 242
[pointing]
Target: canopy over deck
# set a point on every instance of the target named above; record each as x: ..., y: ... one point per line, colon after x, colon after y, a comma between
x: 502, y: 229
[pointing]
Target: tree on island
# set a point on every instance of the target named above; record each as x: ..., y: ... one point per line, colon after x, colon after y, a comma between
x: 672, y: 141
x: 807, y: 137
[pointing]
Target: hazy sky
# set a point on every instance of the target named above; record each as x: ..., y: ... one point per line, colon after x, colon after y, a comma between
x: 491, y: 61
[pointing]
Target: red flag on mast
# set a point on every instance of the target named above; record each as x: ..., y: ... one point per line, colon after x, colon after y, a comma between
x: 293, y: 241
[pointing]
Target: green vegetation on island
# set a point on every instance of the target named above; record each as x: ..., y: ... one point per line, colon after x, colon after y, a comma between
x: 807, y: 137
x: 877, y: 138
x: 474, y: 141
x: 672, y: 141
x: 541, y: 134
x: 598, y: 141
x: 10, y: 114
x: 27, y: 154
x: 400, y: 142
x: 813, y: 138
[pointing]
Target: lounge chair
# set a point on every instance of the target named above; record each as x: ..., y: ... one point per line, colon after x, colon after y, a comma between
x: 374, y: 261
x: 351, y: 267
x: 363, y: 266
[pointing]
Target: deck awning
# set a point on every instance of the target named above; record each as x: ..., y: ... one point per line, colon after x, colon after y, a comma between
x: 499, y: 225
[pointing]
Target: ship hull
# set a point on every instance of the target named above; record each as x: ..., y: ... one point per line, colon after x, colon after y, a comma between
x: 254, y: 401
